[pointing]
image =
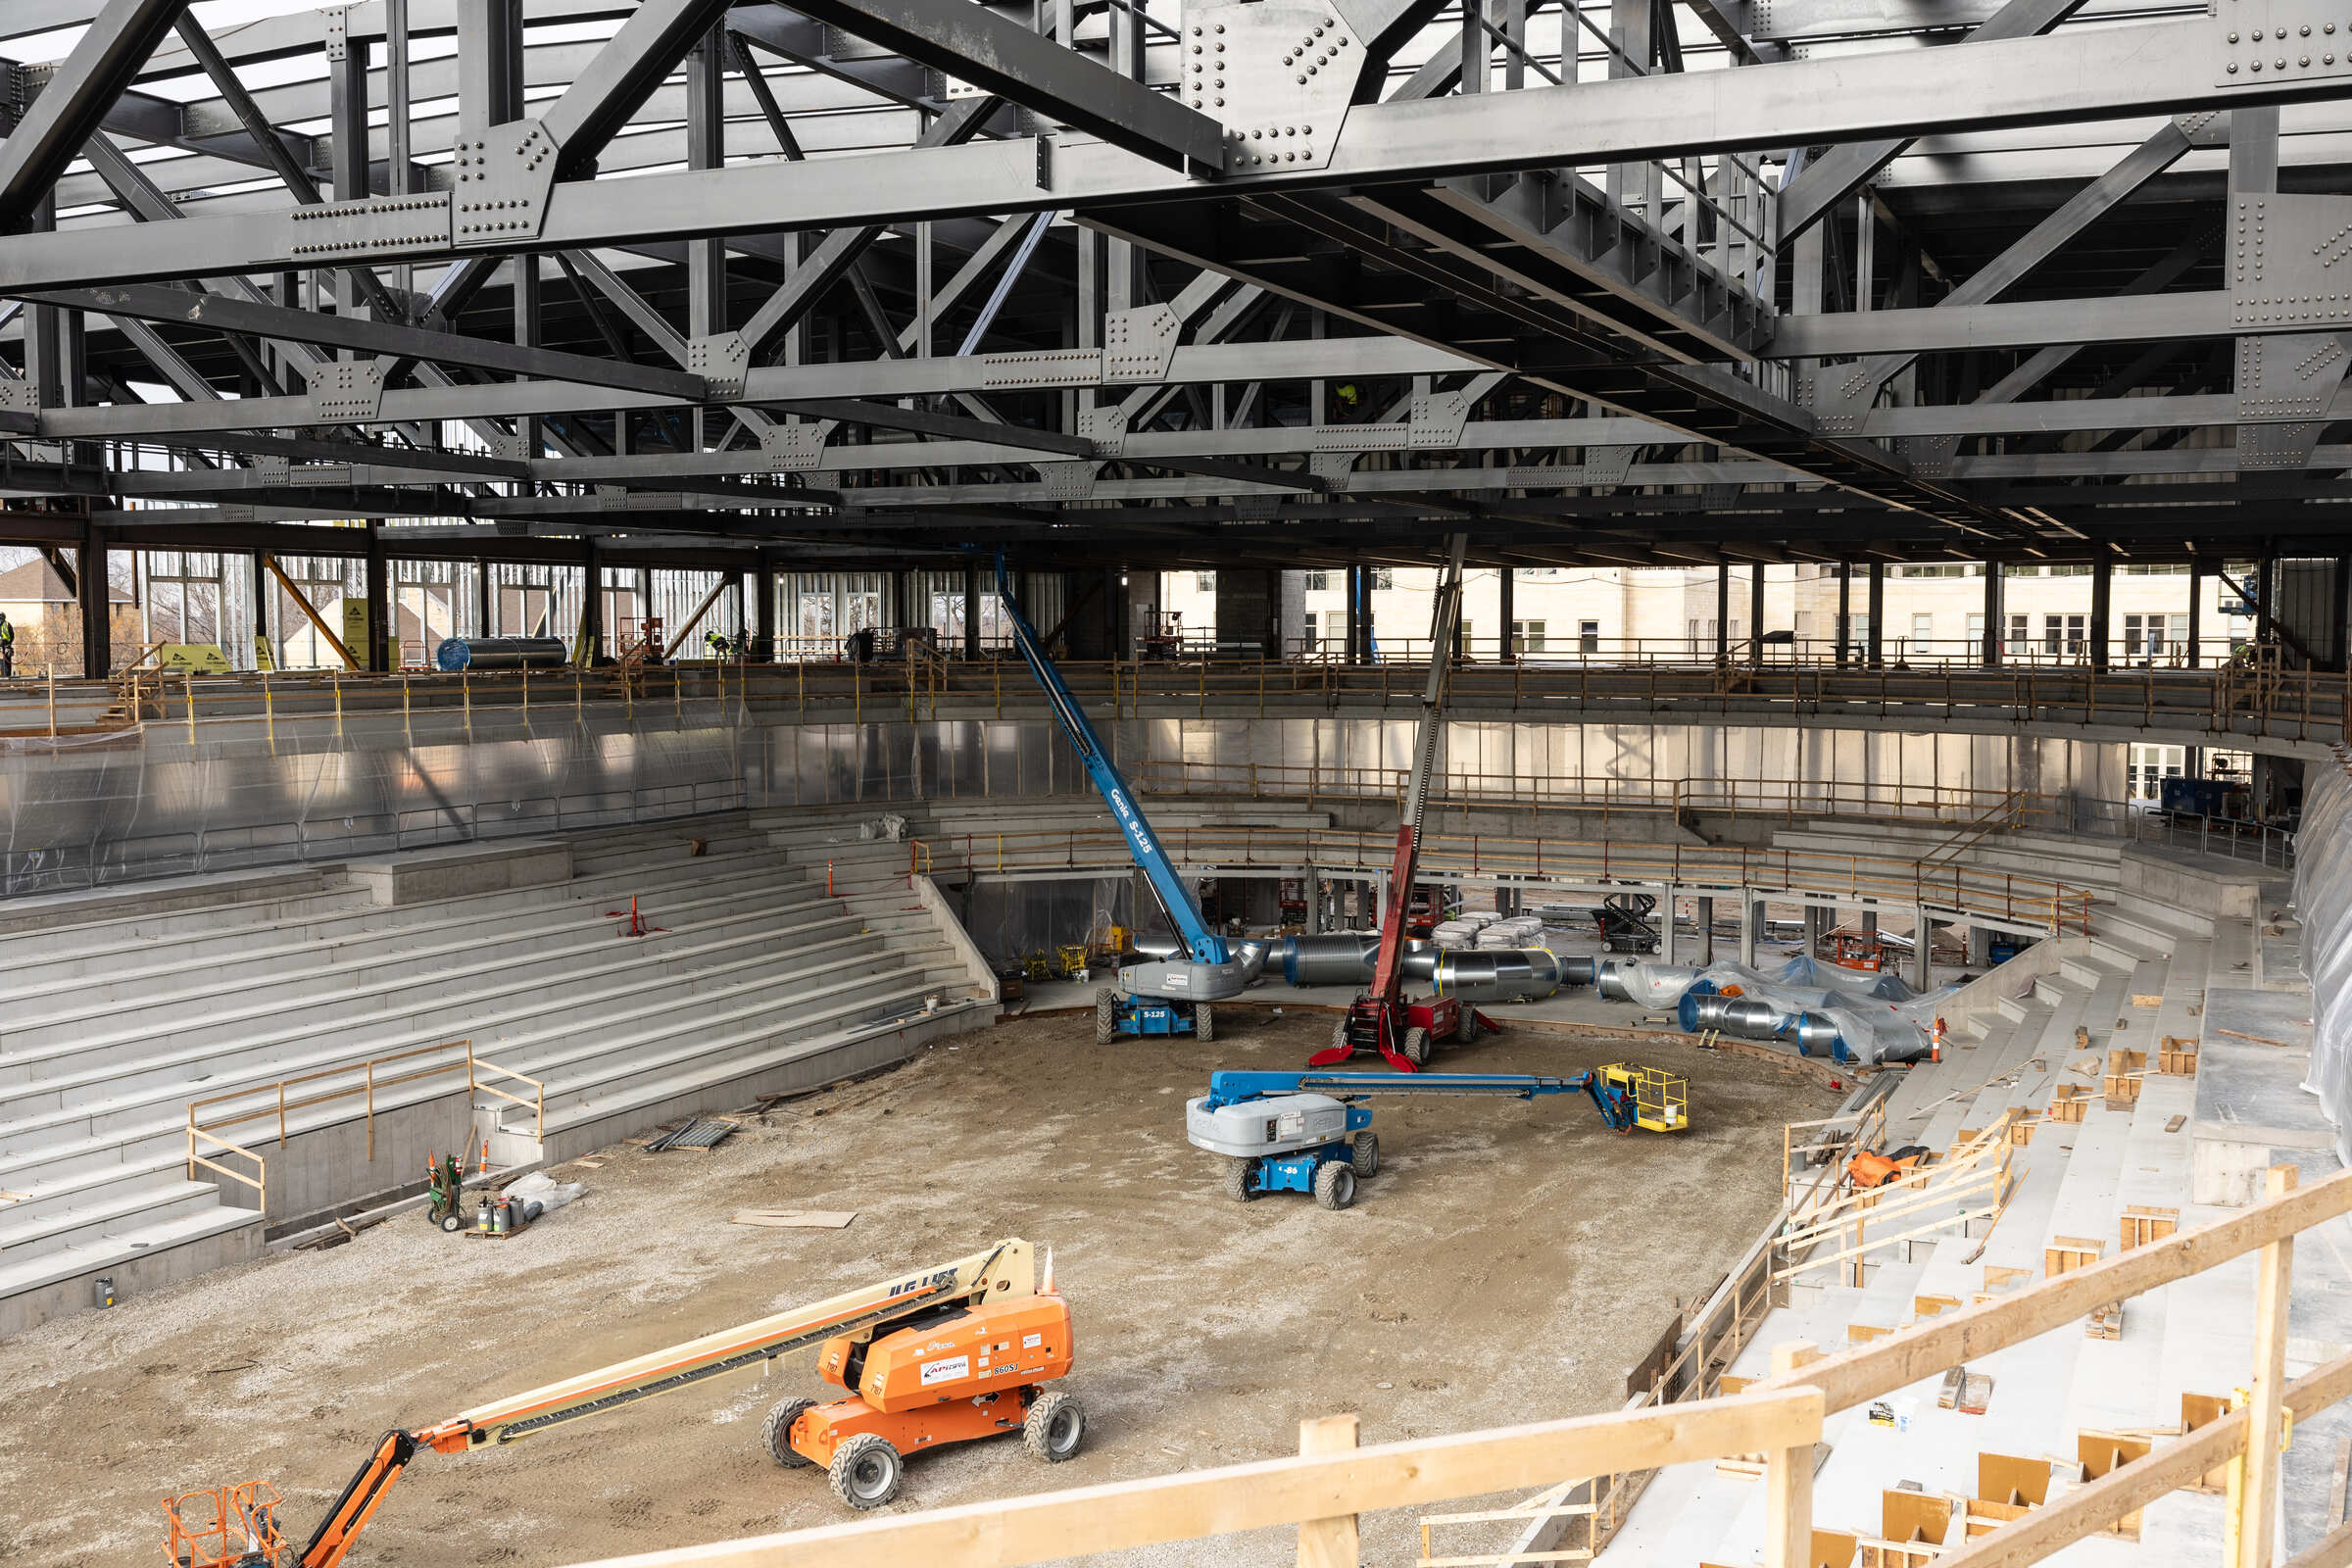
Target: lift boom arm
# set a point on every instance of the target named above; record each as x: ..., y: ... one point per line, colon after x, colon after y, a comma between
x: 1174, y: 898
x: 1387, y: 969
x: 1240, y: 1088
x: 1003, y: 1272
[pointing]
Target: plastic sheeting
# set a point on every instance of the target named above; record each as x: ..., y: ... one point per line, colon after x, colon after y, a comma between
x: 1877, y: 1016
x: 2323, y: 903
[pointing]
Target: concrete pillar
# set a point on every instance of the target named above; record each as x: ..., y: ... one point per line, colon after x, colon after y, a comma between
x: 378, y: 655
x: 763, y: 610
x: 1666, y: 927
x: 2197, y: 615
x: 1755, y: 614
x: 1706, y: 931
x: 1751, y: 927
x: 592, y: 605
x: 1816, y: 922
x: 1723, y: 614
x: 1922, y: 942
x: 1874, y: 650
x: 1250, y: 614
x: 1845, y: 608
x: 1314, y: 902
x: 1996, y: 612
x: 1870, y: 923
x: 1979, y: 947
x: 2102, y: 593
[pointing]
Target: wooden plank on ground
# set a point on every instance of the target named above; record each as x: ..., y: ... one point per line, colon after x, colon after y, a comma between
x: 811, y: 1219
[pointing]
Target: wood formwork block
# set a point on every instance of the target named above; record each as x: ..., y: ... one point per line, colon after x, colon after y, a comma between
x: 2068, y: 1102
x: 2142, y: 1224
x: 2068, y: 1252
x: 2102, y: 1451
x: 2176, y: 1058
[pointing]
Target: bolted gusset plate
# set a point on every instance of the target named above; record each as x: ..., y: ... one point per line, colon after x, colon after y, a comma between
x: 2290, y: 261
x: 2280, y: 40
x: 1276, y: 73
x: 503, y: 179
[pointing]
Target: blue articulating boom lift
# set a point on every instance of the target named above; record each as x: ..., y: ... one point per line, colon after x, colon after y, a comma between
x: 1301, y: 1132
x: 1168, y: 997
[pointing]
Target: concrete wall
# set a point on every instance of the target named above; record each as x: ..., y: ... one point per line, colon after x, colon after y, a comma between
x: 457, y: 871
x: 326, y: 1170
x: 2233, y: 891
x: 133, y: 1278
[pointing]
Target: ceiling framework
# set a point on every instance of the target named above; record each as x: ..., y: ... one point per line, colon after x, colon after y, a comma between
x: 1193, y: 283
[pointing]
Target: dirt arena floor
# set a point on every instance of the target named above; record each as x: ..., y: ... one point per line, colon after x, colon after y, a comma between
x: 1510, y: 1262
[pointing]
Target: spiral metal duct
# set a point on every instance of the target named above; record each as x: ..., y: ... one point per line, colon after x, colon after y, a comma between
x: 1504, y: 975
x: 500, y: 652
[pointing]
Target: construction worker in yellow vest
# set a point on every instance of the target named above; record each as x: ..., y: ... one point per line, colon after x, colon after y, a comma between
x: 8, y: 647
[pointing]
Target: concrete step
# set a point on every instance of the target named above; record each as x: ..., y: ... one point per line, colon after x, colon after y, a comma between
x: 193, y: 972
x: 59, y: 1055
x: 138, y: 1257
x: 619, y: 1073
x: 53, y: 1228
x: 495, y: 1016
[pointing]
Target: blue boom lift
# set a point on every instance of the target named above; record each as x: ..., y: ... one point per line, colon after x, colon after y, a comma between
x: 1168, y: 997
x: 1302, y: 1132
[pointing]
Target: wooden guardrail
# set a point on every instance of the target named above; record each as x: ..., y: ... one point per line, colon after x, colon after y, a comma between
x: 1320, y: 1492
x: 364, y: 1080
x: 1954, y: 889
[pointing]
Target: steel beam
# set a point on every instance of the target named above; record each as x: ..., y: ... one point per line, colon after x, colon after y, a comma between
x: 1002, y: 58
x: 150, y: 303
x: 623, y: 75
x: 49, y: 134
x: 1844, y: 169
x: 2122, y: 319
x: 2108, y: 71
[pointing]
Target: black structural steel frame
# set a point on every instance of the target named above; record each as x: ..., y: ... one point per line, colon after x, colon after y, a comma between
x: 858, y: 283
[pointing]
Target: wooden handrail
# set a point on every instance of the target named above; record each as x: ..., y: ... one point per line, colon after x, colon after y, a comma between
x: 366, y: 1089
x: 536, y: 1104
x: 1043, y: 1527
x: 1313, y: 1489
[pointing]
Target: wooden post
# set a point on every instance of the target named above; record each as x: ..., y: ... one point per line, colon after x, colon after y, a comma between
x: 1328, y: 1543
x: 2259, y: 1498
x: 1789, y: 1476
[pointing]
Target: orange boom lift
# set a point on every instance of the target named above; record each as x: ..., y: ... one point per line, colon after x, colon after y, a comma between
x: 951, y: 1353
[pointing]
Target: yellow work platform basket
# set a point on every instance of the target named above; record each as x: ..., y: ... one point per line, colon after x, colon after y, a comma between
x: 1661, y: 1099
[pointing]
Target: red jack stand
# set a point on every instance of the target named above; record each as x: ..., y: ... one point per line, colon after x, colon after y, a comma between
x: 637, y: 925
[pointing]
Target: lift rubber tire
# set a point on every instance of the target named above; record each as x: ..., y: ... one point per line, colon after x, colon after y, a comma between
x: 1241, y: 1174
x: 866, y: 1470
x: 452, y: 1223
x: 1204, y: 1022
x: 1106, y: 1017
x: 1415, y: 1049
x: 1465, y: 1027
x: 1054, y: 1428
x: 775, y: 1434
x: 1335, y: 1184
x: 1365, y: 1154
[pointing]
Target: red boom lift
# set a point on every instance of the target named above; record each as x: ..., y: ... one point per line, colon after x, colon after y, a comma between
x: 1382, y: 1019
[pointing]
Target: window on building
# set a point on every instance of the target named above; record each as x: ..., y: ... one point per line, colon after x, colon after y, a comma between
x: 2020, y: 636
x: 2062, y: 635
x: 1384, y: 576
x: 1923, y: 629
x: 2150, y: 765
x: 1856, y: 637
x: 1306, y: 629
x: 1206, y: 581
x: 1588, y: 636
x: 1318, y: 581
x: 1804, y: 625
x: 1975, y: 632
x: 182, y: 598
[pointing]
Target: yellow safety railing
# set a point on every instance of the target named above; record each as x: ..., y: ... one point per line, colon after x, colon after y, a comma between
x: 286, y: 1097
